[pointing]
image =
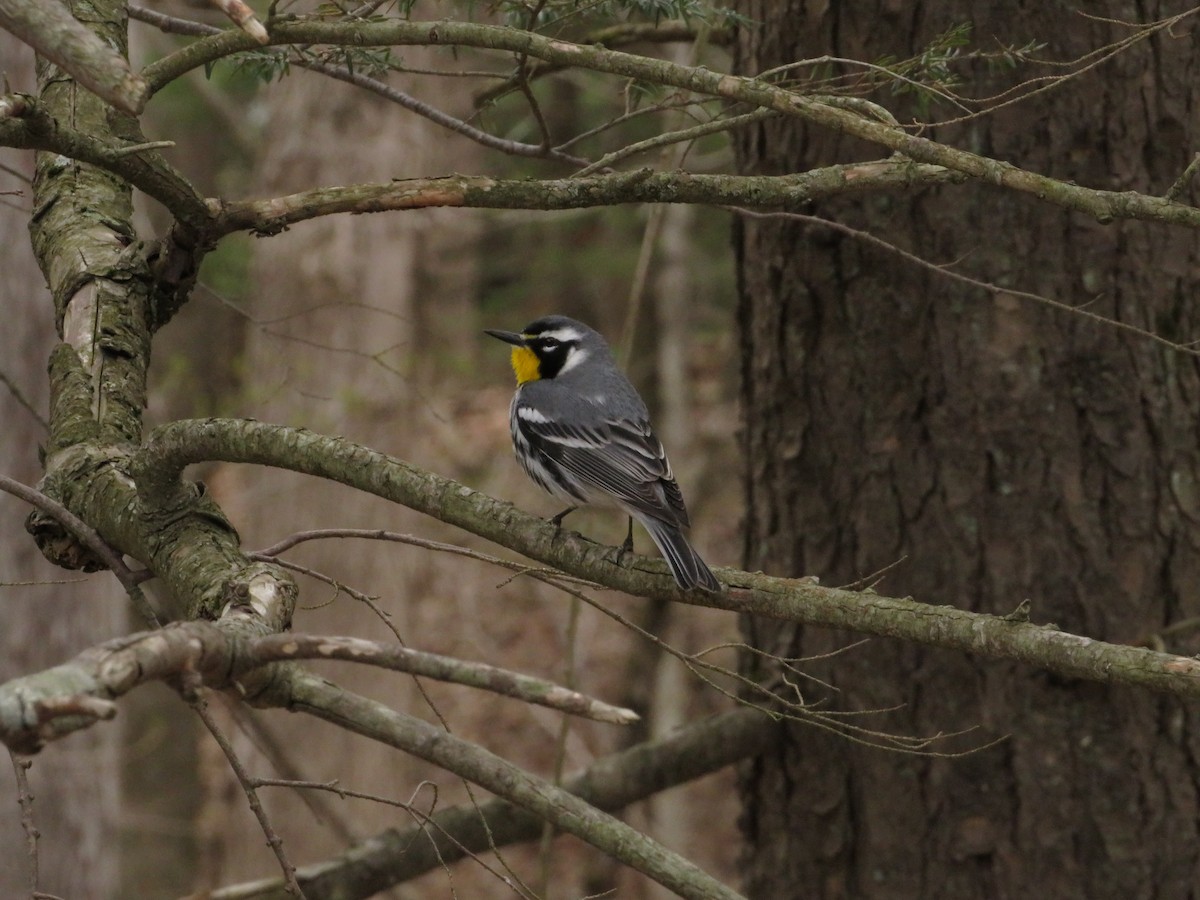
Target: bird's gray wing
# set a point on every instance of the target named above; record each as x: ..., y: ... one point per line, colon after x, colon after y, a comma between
x: 621, y: 458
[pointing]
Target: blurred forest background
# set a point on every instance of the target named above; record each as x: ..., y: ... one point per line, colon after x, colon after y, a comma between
x: 829, y: 410
x: 370, y: 327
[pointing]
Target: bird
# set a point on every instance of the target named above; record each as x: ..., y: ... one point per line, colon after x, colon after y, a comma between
x: 581, y: 431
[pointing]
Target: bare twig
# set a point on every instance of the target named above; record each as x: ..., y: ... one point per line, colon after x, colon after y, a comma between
x: 714, y: 126
x: 610, y: 784
x: 378, y: 534
x: 1185, y: 179
x: 87, y: 536
x: 23, y: 401
x: 437, y: 116
x: 523, y: 85
x: 538, y: 691
x: 995, y: 289
x: 21, y: 766
x: 171, y: 24
x: 200, y: 706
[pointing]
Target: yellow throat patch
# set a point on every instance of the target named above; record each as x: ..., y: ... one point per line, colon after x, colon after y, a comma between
x: 525, y: 363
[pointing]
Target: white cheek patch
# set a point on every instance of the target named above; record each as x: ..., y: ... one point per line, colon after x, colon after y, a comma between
x: 575, y: 356
x: 529, y: 414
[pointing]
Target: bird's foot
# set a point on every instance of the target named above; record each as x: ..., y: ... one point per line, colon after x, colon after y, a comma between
x: 626, y: 547
x: 558, y: 519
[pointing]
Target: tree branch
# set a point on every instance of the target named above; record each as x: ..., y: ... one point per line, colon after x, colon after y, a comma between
x: 174, y: 446
x: 641, y: 186
x: 51, y: 30
x: 317, y: 697
x: 103, y: 556
x: 609, y: 784
x: 619, y: 35
x: 1104, y: 206
x: 283, y: 647
x: 219, y: 656
x: 35, y: 129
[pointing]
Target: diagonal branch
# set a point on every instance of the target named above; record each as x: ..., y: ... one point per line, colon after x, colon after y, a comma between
x: 284, y: 647
x: 102, y: 555
x: 35, y: 129
x: 51, y: 30
x: 172, y: 447
x: 47, y: 705
x: 609, y: 784
x: 1104, y: 206
x: 640, y: 186
x: 317, y: 697
x: 39, y: 708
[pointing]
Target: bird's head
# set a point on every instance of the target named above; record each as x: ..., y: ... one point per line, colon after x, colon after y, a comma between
x: 550, y: 347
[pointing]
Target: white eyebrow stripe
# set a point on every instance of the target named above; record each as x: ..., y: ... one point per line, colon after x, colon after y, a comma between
x: 562, y: 335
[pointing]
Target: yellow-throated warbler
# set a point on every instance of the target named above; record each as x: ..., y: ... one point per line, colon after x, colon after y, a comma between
x: 581, y: 431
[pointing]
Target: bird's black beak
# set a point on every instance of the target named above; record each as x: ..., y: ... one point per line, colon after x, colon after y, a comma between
x: 509, y: 337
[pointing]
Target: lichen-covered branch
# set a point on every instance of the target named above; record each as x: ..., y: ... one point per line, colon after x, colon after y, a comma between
x: 172, y: 447
x: 538, y: 691
x: 641, y: 186
x: 41, y: 707
x: 1105, y: 206
x: 315, y: 696
x: 38, y: 708
x: 35, y: 129
x: 51, y: 30
x: 610, y: 784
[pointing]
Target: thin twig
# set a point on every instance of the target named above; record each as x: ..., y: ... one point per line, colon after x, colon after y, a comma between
x: 379, y: 534
x: 871, y: 239
x: 23, y: 401
x: 1185, y: 179
x: 171, y: 24
x: 86, y: 535
x: 200, y: 706
x: 425, y: 820
x: 437, y: 116
x: 674, y: 137
x: 21, y: 766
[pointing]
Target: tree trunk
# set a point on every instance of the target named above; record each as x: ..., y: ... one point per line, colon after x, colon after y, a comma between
x: 994, y: 450
x: 46, y: 615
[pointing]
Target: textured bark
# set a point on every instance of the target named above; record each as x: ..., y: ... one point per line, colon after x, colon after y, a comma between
x: 42, y: 623
x: 1005, y: 450
x: 339, y: 301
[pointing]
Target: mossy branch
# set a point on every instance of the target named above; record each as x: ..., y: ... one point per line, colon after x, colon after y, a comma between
x: 51, y: 30
x: 139, y: 164
x: 641, y: 186
x: 1104, y: 206
x: 172, y: 447
x: 610, y: 784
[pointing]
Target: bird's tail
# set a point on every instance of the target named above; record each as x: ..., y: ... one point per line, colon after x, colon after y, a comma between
x: 689, y: 569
